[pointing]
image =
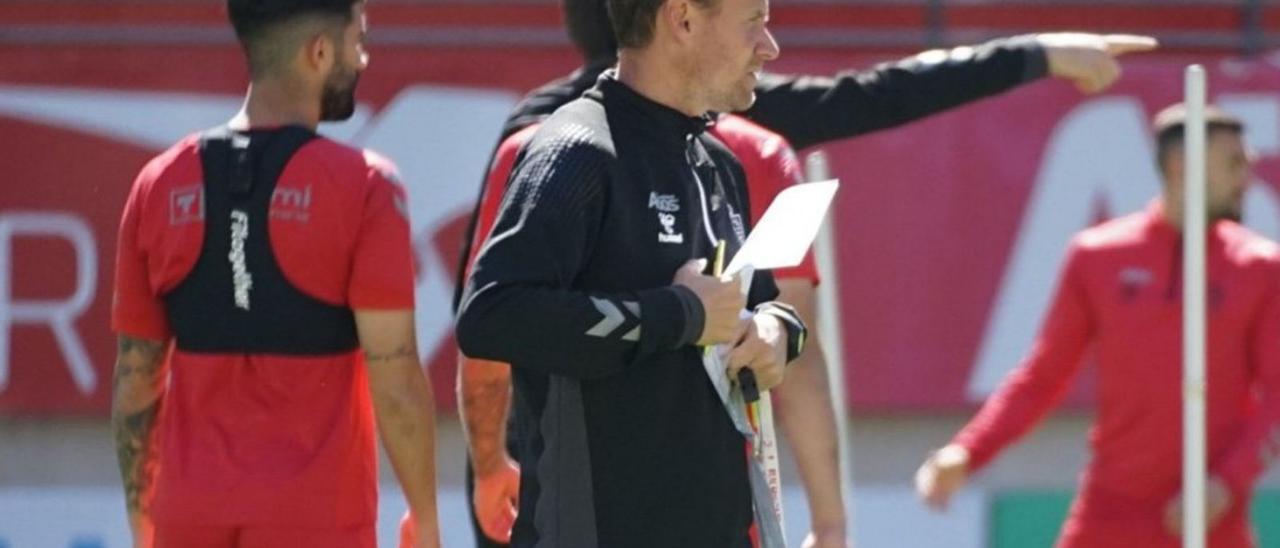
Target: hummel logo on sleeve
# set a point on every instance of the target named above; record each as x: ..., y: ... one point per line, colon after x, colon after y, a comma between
x: 614, y: 318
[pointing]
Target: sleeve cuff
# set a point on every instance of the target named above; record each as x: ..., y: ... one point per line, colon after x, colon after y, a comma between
x: 978, y: 458
x: 796, y: 331
x: 157, y: 331
x: 1035, y: 60
x: 671, y: 317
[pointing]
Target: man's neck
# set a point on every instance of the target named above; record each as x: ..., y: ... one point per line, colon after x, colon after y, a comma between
x: 657, y: 80
x: 275, y: 104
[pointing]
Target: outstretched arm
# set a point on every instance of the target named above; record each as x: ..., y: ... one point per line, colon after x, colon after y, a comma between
x: 811, y: 110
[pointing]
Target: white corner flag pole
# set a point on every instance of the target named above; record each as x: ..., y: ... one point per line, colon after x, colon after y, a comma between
x: 829, y: 332
x: 1193, y: 314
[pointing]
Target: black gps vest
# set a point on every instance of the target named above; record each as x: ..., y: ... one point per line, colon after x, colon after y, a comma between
x: 236, y: 299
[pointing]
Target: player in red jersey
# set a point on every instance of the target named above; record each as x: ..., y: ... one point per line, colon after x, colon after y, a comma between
x: 264, y: 306
x: 1120, y: 293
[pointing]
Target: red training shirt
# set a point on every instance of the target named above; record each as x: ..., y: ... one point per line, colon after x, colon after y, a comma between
x: 247, y: 439
x: 1120, y: 293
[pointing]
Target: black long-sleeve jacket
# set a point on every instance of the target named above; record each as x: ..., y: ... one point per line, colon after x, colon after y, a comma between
x: 624, y: 441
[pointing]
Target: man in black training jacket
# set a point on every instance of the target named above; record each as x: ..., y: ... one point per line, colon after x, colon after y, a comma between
x: 591, y: 286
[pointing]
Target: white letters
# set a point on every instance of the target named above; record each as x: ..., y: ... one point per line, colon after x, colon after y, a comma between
x: 240, y: 277
x: 59, y: 315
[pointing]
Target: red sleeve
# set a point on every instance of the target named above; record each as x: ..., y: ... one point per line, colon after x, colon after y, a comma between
x: 495, y: 184
x: 470, y: 370
x: 1044, y: 376
x: 1259, y: 444
x: 382, y: 263
x: 772, y: 170
x: 136, y: 308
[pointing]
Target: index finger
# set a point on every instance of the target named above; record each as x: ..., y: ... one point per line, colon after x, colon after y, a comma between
x: 1120, y: 44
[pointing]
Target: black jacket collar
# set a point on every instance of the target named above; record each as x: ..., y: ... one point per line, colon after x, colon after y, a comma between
x: 656, y: 119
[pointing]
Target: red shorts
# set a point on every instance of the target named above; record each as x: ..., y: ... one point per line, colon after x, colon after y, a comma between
x: 195, y: 536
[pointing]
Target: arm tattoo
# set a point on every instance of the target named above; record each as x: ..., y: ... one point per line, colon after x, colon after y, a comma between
x: 137, y: 383
x: 397, y: 354
x: 137, y: 455
x: 137, y: 358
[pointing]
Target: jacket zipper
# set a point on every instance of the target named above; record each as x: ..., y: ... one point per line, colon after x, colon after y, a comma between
x: 702, y: 198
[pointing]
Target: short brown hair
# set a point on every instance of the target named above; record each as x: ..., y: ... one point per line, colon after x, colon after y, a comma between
x: 258, y: 25
x: 1170, y: 126
x: 633, y: 20
x: 590, y: 29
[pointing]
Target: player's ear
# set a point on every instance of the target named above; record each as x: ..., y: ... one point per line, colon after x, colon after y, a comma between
x: 677, y: 19
x: 319, y: 52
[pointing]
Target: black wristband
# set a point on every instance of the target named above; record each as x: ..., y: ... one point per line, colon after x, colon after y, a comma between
x: 695, y: 317
x: 796, y: 331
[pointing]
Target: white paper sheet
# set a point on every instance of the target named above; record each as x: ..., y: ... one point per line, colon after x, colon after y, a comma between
x: 787, y: 229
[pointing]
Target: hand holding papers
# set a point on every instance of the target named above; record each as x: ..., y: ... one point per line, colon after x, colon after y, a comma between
x: 780, y: 239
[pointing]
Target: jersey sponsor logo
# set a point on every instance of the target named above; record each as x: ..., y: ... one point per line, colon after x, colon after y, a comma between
x: 1135, y: 275
x: 1215, y: 296
x: 1132, y: 280
x: 664, y: 202
x: 291, y: 204
x: 241, y: 279
x: 669, y: 234
x: 186, y: 205
x: 666, y: 205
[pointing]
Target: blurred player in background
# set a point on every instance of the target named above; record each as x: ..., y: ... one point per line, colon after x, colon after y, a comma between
x: 807, y: 110
x: 256, y: 261
x: 1120, y: 293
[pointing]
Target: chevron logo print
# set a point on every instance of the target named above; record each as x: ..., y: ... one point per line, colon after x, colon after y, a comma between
x: 614, y: 318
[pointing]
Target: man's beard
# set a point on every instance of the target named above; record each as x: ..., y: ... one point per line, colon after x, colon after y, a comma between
x: 736, y: 98
x: 338, y: 99
x: 732, y: 100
